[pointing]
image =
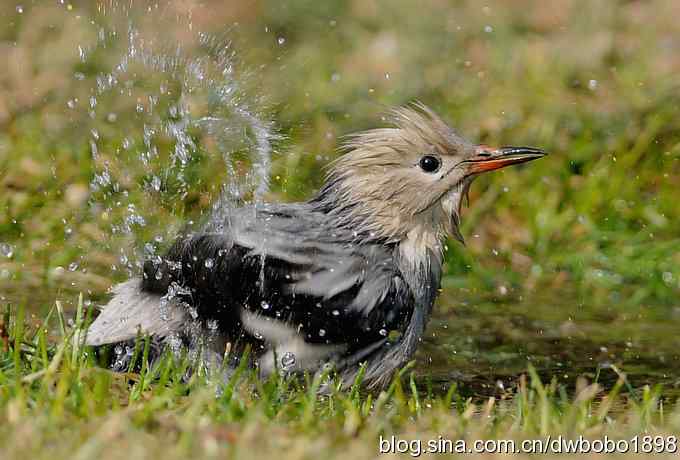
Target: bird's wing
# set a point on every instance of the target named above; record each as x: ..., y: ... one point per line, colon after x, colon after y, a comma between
x: 282, y: 262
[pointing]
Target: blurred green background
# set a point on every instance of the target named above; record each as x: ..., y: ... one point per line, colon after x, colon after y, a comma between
x: 572, y: 262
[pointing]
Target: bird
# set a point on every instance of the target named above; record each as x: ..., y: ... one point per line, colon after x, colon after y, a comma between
x: 346, y: 280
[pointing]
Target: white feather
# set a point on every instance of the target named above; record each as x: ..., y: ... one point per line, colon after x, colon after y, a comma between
x: 284, y: 340
x: 132, y: 311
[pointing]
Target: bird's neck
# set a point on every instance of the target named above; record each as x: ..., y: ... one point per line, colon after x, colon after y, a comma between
x: 421, y: 247
x: 420, y: 259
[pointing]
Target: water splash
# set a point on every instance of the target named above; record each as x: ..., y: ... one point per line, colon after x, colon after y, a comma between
x: 288, y: 361
x: 171, y: 127
x: 6, y: 250
x: 159, y: 109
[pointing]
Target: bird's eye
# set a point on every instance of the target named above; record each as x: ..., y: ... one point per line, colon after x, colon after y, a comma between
x: 430, y: 163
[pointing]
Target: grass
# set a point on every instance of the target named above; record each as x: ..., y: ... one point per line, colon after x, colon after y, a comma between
x: 571, y: 263
x: 55, y: 402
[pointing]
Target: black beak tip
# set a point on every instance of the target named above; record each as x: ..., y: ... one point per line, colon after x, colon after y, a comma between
x: 529, y: 152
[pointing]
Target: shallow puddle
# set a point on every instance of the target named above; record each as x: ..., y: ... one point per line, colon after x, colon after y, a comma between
x: 485, y: 346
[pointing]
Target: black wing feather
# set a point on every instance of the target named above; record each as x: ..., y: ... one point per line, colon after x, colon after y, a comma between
x: 284, y: 263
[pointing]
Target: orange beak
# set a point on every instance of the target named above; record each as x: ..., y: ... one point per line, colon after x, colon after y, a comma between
x: 488, y: 158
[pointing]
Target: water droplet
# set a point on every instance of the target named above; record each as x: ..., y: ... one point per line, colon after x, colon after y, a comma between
x: 335, y: 313
x: 383, y: 332
x: 73, y: 266
x: 287, y: 361
x: 667, y: 278
x: 209, y: 263
x: 6, y: 250
x: 265, y: 305
x: 322, y: 332
x: 20, y: 9
x: 281, y: 40
x: 592, y: 85
x: 81, y: 54
x: 156, y: 183
x: 175, y: 343
x: 488, y: 29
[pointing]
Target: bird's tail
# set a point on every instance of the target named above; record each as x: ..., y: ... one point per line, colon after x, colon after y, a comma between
x: 132, y: 311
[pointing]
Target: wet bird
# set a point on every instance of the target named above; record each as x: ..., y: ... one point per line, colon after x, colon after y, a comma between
x: 346, y: 279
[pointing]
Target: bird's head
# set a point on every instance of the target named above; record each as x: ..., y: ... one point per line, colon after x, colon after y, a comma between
x: 409, y: 179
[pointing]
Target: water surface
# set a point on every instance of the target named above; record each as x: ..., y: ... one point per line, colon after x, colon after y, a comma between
x: 485, y: 345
